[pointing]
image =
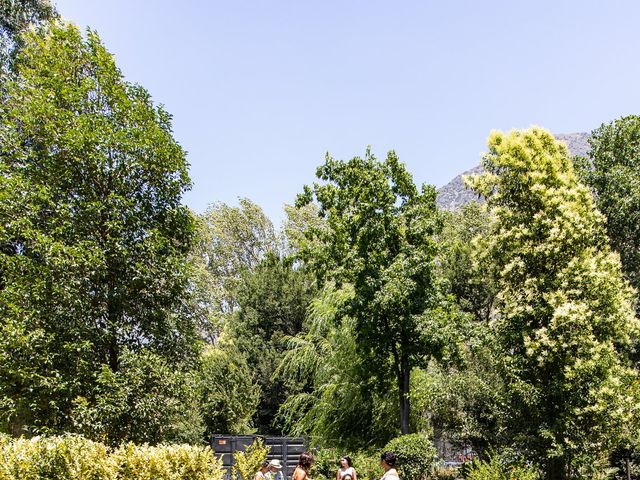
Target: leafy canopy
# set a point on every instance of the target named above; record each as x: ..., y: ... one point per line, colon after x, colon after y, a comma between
x: 93, y: 238
x: 378, y: 237
x: 565, y: 317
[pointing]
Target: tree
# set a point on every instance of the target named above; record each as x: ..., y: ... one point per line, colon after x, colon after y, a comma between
x: 613, y: 173
x: 462, y: 263
x: 564, y: 313
x: 339, y: 404
x: 379, y: 239
x: 94, y: 240
x: 147, y: 400
x: 228, y: 395
x: 235, y: 240
x: 272, y: 300
x: 15, y: 17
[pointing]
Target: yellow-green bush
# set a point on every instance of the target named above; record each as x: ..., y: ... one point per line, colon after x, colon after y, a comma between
x: 245, y: 464
x: 76, y: 458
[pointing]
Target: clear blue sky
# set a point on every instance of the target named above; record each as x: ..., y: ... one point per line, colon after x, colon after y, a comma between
x: 260, y: 90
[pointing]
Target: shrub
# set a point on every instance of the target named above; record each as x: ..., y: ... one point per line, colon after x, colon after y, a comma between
x: 247, y: 463
x: 445, y: 473
x: 68, y: 457
x: 495, y: 469
x: 147, y: 400
x: 416, y: 455
x: 73, y: 457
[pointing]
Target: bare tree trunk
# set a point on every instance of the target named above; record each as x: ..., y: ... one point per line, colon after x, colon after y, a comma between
x: 404, y: 385
x: 555, y: 469
x: 628, y: 468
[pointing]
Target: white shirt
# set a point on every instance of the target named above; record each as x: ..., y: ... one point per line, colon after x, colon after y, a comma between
x: 391, y: 474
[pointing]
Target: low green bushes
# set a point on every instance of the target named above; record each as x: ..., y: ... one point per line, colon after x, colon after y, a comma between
x: 76, y: 458
x: 496, y: 468
x: 416, y: 455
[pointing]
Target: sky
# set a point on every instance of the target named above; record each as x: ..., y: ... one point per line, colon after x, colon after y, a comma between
x: 260, y: 91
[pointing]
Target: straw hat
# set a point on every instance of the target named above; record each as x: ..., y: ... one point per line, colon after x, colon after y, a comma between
x: 275, y: 463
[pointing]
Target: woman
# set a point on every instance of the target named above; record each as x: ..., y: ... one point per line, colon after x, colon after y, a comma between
x: 304, y: 464
x: 262, y: 473
x: 346, y: 470
x: 388, y: 464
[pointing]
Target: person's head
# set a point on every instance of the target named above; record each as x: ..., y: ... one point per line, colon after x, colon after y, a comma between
x: 306, y: 460
x: 345, y: 462
x: 275, y: 465
x: 264, y: 466
x: 388, y: 460
x: 346, y: 477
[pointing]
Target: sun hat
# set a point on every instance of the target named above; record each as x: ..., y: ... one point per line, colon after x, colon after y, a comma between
x: 275, y: 463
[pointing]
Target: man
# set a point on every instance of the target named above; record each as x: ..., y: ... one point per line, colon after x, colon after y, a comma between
x: 275, y: 470
x: 388, y: 463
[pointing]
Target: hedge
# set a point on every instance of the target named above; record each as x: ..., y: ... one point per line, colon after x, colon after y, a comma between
x: 72, y: 457
x: 416, y: 455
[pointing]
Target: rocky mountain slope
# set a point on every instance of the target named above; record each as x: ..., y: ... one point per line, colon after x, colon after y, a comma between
x: 454, y: 194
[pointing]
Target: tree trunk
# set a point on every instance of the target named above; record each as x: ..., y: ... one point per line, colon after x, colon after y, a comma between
x: 628, y: 468
x: 403, y: 387
x: 555, y: 469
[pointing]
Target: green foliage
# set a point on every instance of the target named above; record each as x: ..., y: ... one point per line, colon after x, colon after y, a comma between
x: 273, y: 299
x: 342, y: 405
x: 247, y: 463
x: 146, y: 401
x: 234, y: 241
x: 75, y: 458
x: 613, y: 172
x: 16, y: 16
x: 461, y: 403
x: 467, y: 274
x: 416, y: 455
x: 496, y: 469
x: 228, y: 396
x: 94, y: 241
x: 379, y: 238
x: 565, y: 316
x: 445, y: 473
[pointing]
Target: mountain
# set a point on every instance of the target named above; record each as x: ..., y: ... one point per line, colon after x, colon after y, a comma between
x: 454, y: 194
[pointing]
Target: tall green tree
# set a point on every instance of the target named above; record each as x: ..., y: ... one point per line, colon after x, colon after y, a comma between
x: 565, y: 318
x: 228, y: 395
x: 379, y: 238
x: 461, y: 262
x: 613, y: 173
x: 234, y: 241
x: 339, y: 405
x: 273, y: 300
x: 93, y: 237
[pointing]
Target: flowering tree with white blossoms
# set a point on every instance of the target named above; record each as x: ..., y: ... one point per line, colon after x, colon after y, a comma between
x: 565, y: 321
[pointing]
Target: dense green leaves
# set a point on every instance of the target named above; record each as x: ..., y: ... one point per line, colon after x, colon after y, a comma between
x: 15, y: 18
x: 379, y: 238
x: 613, y: 173
x: 565, y: 317
x: 94, y: 239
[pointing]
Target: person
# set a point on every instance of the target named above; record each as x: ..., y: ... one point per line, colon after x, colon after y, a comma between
x: 346, y: 470
x: 388, y: 464
x: 262, y: 473
x: 304, y: 464
x: 275, y: 470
